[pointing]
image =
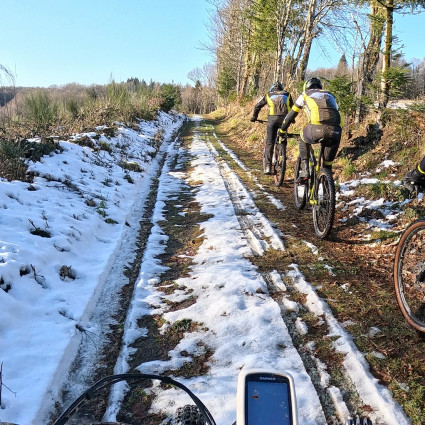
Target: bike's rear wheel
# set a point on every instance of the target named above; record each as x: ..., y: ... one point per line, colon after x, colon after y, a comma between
x: 280, y: 163
x: 409, y: 275
x: 300, y: 189
x: 324, y: 206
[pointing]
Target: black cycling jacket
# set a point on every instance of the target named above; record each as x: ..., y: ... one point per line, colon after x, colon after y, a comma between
x: 279, y: 102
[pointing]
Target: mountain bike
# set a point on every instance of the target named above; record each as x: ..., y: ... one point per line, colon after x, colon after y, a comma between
x: 256, y: 397
x: 409, y: 274
x: 318, y: 189
x: 279, y: 157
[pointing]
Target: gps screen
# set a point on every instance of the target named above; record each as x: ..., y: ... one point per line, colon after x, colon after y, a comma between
x: 268, y: 403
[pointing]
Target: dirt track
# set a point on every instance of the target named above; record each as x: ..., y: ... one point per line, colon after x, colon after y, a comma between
x: 352, y: 274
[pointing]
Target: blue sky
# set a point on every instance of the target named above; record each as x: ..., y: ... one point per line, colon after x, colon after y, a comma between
x: 408, y: 30
x: 46, y: 42
x: 49, y: 42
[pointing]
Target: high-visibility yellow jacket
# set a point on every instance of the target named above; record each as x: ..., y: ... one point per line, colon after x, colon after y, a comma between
x: 279, y: 103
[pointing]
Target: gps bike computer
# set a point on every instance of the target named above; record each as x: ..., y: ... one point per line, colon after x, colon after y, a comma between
x: 265, y: 397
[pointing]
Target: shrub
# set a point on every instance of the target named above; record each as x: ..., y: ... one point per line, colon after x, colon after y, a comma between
x: 11, y: 164
x: 72, y: 106
x: 40, y: 110
x: 382, y: 190
x: 171, y: 96
x: 348, y: 168
x: 131, y: 165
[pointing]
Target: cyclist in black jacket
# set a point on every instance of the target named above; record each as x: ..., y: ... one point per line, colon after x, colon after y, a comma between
x: 279, y: 102
x: 417, y: 175
x: 324, y: 122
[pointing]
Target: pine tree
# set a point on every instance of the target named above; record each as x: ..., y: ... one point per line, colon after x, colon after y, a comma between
x: 342, y: 67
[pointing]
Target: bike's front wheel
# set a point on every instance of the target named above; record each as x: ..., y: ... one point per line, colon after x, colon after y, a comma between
x: 324, y: 203
x: 280, y: 164
x: 300, y: 188
x: 188, y: 415
x: 409, y: 275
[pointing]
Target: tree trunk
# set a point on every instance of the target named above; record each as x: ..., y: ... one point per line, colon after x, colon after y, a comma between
x: 370, y: 58
x: 281, y: 27
x: 305, y: 44
x: 385, y: 88
x: 304, y: 61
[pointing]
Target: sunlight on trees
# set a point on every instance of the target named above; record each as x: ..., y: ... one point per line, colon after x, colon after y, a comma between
x: 258, y: 42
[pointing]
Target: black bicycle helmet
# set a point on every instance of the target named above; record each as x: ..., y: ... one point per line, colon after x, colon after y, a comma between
x: 276, y: 86
x: 313, y: 83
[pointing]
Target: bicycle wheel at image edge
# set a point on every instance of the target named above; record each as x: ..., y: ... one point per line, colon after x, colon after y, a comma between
x: 409, y: 275
x: 324, y: 208
x: 280, y: 164
x: 300, y: 190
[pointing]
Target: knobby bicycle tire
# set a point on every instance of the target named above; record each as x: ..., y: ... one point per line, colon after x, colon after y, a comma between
x: 188, y: 415
x: 300, y: 189
x: 324, y: 206
x: 409, y: 275
x: 280, y: 163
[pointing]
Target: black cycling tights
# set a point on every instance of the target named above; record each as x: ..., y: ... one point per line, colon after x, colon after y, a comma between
x: 329, y: 153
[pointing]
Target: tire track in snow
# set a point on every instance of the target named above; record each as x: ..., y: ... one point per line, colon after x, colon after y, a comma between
x: 356, y: 368
x: 242, y: 326
x: 97, y: 327
x: 276, y: 202
x: 259, y: 231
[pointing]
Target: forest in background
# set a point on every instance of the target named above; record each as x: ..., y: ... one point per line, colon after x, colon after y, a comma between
x: 257, y: 42
x: 253, y: 43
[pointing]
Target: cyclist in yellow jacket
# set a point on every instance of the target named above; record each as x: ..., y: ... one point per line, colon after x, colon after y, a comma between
x: 417, y: 175
x: 324, y: 122
x: 279, y: 102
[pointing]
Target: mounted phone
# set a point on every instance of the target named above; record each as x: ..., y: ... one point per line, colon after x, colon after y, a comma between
x: 265, y: 397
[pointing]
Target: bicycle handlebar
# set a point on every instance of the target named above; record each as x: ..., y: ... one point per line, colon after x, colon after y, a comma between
x: 290, y: 135
x: 134, y: 378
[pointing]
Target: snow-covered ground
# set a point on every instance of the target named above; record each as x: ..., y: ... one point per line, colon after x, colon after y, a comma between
x: 83, y: 200
x: 244, y: 325
x: 50, y: 285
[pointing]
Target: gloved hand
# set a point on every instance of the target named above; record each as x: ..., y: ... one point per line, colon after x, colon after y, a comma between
x: 253, y: 119
x: 281, y: 133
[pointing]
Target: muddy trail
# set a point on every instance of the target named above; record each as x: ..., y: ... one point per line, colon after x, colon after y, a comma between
x: 229, y: 275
